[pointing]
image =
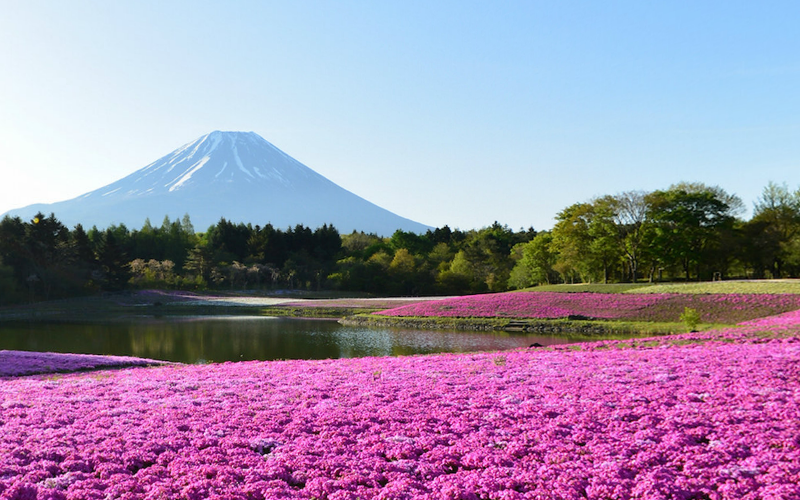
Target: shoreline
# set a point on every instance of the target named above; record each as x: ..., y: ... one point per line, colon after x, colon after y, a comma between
x: 546, y: 326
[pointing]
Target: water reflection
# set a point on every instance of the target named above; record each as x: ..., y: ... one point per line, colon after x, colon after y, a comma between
x: 235, y: 338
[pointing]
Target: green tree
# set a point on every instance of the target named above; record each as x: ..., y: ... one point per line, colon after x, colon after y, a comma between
x: 402, y: 271
x: 402, y: 263
x: 604, y: 248
x: 440, y: 256
x: 689, y: 219
x: 633, y: 229
x: 113, y: 262
x: 413, y: 242
x: 83, y: 261
x: 585, y: 240
x: 13, y: 251
x: 200, y: 262
x: 327, y: 244
x: 177, y: 241
x: 48, y: 254
x: 9, y: 293
x: 459, y: 277
x: 487, y: 254
x: 535, y: 262
x: 229, y: 241
x: 773, y: 230
x: 571, y: 241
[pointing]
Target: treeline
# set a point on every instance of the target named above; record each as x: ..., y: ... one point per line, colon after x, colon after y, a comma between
x: 689, y: 232
x: 43, y: 259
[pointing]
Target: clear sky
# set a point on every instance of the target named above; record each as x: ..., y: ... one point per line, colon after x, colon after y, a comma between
x: 445, y: 112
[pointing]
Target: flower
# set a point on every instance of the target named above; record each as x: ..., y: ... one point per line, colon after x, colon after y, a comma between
x: 701, y: 415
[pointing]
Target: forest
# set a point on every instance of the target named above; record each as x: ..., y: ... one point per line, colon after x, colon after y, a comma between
x: 687, y: 232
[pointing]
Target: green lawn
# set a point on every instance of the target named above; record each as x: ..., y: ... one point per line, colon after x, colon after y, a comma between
x: 734, y: 286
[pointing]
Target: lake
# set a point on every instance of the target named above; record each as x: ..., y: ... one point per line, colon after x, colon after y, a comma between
x: 199, y: 339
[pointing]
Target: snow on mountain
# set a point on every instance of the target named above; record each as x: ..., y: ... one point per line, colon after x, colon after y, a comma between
x: 235, y: 175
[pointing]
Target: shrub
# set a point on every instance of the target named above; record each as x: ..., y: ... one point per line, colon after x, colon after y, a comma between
x: 691, y: 318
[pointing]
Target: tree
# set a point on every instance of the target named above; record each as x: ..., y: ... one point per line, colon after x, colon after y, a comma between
x: 458, y: 277
x: 357, y: 242
x: 47, y: 253
x: 440, y: 256
x: 229, y: 241
x: 327, y: 244
x: 440, y: 235
x: 584, y: 238
x: 689, y: 219
x: 487, y: 254
x: 178, y: 241
x: 571, y: 241
x: 152, y: 273
x: 113, y: 262
x: 401, y: 269
x: 186, y: 224
x: 775, y: 225
x: 9, y: 293
x: 200, y: 262
x: 631, y: 218
x: 402, y: 263
x: 12, y: 248
x: 413, y: 242
x: 84, y: 261
x: 604, y: 249
x: 535, y: 262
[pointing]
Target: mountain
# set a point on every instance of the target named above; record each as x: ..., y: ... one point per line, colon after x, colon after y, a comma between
x: 235, y: 175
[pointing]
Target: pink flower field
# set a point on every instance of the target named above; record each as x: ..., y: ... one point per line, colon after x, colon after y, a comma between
x: 781, y: 320
x: 710, y: 415
x: 713, y: 308
x: 13, y: 363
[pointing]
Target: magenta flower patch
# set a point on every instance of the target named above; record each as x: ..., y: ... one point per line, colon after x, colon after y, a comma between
x: 714, y: 420
x: 717, y: 308
x: 15, y: 363
x: 791, y: 318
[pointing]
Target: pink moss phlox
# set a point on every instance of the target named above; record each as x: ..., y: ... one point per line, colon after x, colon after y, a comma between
x: 791, y: 318
x: 16, y: 363
x: 703, y: 420
x: 717, y: 308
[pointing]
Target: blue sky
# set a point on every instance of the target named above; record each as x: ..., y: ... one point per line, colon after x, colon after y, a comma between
x: 458, y: 113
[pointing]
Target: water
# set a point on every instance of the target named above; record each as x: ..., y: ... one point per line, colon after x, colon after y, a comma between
x: 198, y: 339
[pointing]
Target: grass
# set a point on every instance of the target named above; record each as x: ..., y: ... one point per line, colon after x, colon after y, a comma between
x: 733, y: 286
x: 589, y: 288
x: 743, y: 286
x: 312, y: 312
x: 561, y: 327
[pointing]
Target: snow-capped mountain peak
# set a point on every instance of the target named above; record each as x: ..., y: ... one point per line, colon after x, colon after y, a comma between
x: 236, y: 175
x: 218, y: 157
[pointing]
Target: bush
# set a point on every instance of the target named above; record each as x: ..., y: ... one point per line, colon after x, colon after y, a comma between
x: 691, y: 318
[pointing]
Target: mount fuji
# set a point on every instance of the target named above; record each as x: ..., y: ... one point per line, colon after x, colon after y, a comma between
x: 235, y: 175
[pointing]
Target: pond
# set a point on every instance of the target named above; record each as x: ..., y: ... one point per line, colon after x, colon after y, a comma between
x: 198, y: 339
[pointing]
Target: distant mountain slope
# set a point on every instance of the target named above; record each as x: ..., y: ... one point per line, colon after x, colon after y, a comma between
x: 236, y: 175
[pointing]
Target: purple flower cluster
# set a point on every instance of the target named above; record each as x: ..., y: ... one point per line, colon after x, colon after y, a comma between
x: 711, y: 420
x: 16, y: 363
x: 791, y: 318
x: 713, y: 308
